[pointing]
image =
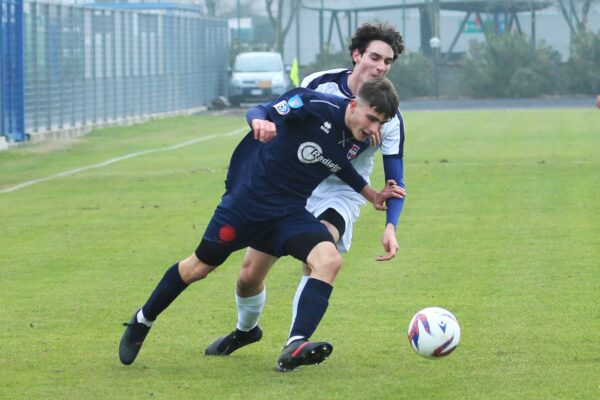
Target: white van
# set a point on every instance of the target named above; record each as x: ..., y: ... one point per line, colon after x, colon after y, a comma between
x: 257, y: 76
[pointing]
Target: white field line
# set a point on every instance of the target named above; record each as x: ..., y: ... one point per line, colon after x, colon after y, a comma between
x: 118, y: 159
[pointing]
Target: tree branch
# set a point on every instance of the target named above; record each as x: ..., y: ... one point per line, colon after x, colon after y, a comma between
x: 574, y: 11
x: 288, y: 24
x: 270, y: 11
x: 565, y: 14
x: 585, y: 12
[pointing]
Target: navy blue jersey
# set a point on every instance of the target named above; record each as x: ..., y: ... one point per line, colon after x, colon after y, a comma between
x: 335, y: 81
x: 312, y: 143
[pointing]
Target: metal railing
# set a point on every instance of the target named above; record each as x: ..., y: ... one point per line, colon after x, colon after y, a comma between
x: 89, y: 65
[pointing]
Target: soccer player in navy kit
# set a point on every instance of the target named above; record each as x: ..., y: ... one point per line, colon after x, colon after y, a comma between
x: 373, y: 49
x: 264, y: 206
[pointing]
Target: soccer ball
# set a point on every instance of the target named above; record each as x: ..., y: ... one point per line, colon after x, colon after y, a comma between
x: 433, y: 332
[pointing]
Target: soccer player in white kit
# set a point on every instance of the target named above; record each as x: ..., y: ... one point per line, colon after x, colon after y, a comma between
x: 373, y: 49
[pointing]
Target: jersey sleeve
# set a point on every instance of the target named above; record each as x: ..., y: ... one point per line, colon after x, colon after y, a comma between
x: 350, y: 177
x: 392, y: 148
x: 393, y: 167
x: 392, y: 142
x: 256, y: 112
x: 290, y: 105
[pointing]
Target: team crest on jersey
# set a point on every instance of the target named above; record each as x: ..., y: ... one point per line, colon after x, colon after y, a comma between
x: 295, y: 102
x: 282, y: 107
x: 353, y: 151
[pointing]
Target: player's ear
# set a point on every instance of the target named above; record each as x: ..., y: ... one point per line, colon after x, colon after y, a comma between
x: 355, y: 55
x: 353, y: 104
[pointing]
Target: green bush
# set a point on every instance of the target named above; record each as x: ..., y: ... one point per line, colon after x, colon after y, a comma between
x: 327, y: 60
x: 510, y: 66
x: 583, y: 68
x: 413, y: 75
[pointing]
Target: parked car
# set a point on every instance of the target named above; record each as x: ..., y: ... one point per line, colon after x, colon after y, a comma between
x: 257, y: 76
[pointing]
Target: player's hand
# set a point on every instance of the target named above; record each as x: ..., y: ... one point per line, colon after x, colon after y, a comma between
x: 389, y: 242
x: 375, y: 139
x: 264, y: 131
x: 391, y: 190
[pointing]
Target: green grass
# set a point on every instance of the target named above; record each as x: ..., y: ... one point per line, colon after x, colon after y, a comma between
x: 501, y: 226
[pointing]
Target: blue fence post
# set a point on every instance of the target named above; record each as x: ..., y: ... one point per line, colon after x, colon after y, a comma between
x: 12, y: 70
x: 1, y: 67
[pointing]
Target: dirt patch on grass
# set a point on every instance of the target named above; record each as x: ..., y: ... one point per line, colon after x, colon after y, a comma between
x: 52, y: 145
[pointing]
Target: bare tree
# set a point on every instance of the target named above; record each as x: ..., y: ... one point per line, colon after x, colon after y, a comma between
x: 211, y: 7
x: 276, y: 10
x: 570, y: 12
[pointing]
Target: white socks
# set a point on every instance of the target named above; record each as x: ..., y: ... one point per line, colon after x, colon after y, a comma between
x: 249, y: 310
x: 299, y: 290
x: 142, y: 320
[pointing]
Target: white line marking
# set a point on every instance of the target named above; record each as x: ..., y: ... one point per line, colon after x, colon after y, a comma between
x: 118, y: 159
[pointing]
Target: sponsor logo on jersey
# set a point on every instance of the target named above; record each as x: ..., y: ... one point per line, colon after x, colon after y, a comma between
x: 295, y: 102
x: 326, y: 126
x: 282, y: 107
x: 353, y: 151
x: 310, y: 153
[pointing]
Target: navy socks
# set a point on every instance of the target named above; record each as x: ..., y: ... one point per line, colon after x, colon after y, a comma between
x: 312, y: 305
x: 170, y: 286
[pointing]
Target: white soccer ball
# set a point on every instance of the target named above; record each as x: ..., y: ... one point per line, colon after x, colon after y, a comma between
x: 434, y: 332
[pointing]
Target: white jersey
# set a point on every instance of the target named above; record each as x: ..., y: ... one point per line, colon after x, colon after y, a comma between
x: 332, y: 192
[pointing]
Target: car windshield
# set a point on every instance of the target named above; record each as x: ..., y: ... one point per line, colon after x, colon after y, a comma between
x: 257, y: 63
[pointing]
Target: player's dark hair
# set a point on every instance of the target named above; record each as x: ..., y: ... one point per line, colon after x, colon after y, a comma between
x: 366, y: 33
x: 380, y: 94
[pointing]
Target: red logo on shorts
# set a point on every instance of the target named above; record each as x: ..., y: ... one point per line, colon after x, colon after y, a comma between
x: 227, y: 233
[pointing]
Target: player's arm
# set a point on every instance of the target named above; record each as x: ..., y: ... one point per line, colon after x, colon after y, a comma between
x: 394, y: 171
x: 353, y: 179
x: 392, y: 148
x: 263, y: 118
x: 263, y: 129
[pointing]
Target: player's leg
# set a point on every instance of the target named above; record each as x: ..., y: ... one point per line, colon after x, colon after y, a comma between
x: 250, y: 299
x: 218, y: 242
x: 322, y: 257
x: 336, y: 225
x: 175, y: 280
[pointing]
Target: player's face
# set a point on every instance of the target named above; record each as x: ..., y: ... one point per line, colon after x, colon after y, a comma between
x: 363, y: 120
x: 375, y: 62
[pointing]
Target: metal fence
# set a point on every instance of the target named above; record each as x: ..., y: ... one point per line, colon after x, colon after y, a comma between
x: 88, y: 65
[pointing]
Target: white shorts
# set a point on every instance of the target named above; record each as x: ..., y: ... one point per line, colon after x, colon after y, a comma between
x: 347, y: 203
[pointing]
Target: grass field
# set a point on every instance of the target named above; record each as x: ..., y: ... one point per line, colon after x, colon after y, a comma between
x: 501, y: 226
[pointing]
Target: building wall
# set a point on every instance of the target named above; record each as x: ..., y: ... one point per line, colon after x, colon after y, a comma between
x: 550, y: 28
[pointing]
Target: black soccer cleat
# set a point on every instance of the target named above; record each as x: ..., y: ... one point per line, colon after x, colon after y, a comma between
x: 132, y: 340
x: 225, y: 345
x: 302, y: 352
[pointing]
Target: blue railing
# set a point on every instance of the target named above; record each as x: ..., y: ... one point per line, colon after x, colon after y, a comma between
x: 12, y: 84
x: 66, y: 66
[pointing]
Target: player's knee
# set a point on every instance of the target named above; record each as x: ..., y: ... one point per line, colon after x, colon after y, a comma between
x: 333, y: 263
x: 192, y: 269
x: 249, y: 280
x: 327, y: 263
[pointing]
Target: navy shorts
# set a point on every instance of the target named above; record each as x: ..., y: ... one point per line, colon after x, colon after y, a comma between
x: 231, y: 229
